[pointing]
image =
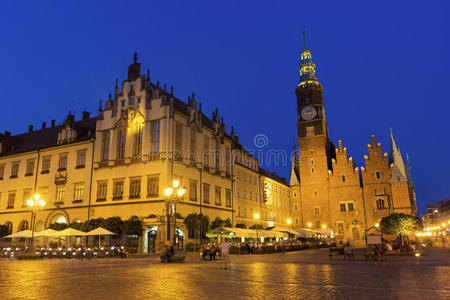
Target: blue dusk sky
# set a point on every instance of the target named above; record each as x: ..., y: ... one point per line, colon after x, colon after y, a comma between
x: 383, y: 64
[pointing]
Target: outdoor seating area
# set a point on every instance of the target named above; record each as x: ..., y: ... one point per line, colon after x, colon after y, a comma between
x: 67, y: 243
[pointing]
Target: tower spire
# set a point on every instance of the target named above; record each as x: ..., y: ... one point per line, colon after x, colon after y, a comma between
x: 307, y: 66
x: 304, y: 37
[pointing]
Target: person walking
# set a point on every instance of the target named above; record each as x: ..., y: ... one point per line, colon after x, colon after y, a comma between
x: 225, y: 250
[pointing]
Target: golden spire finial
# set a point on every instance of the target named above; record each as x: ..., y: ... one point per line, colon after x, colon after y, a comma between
x: 304, y: 36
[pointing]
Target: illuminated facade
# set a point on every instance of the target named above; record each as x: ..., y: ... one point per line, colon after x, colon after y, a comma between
x: 120, y: 162
x: 328, y: 191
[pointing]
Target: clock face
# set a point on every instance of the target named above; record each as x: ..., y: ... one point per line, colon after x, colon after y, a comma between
x: 308, y: 112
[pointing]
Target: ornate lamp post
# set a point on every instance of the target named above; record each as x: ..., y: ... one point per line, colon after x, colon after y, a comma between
x: 35, y: 204
x: 174, y: 195
x: 256, y: 217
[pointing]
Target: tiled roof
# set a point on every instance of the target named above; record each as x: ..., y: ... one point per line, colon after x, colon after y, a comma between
x: 44, y: 138
x: 272, y: 176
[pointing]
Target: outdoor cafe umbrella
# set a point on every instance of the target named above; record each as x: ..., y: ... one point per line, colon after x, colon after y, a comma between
x: 99, y: 231
x: 21, y: 234
x: 46, y: 232
x: 68, y: 232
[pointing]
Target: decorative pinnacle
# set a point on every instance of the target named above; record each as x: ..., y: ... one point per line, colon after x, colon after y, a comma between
x: 304, y: 36
x: 135, y: 57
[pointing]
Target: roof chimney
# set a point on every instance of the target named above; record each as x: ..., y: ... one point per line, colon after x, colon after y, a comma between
x: 85, y: 115
x: 53, y: 123
x: 30, y: 128
x: 43, y: 125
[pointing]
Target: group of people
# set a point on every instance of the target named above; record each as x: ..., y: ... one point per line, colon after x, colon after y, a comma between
x: 212, y: 252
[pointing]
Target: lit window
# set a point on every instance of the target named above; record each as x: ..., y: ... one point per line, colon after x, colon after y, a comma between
x: 78, y: 191
x: 310, y: 131
x: 121, y: 140
x: 137, y: 149
x: 60, y: 190
x: 11, y: 199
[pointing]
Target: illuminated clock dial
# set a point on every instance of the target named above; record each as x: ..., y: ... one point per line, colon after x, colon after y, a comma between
x: 308, y: 112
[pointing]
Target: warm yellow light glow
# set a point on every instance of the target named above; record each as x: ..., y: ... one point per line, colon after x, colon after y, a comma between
x: 377, y: 225
x: 435, y: 211
x: 309, y: 224
x: 256, y: 216
x: 428, y: 229
x: 289, y: 221
x: 37, y: 197
x: 443, y: 224
x: 30, y: 202
x: 168, y: 191
x: 176, y: 183
x: 41, y: 203
x: 181, y: 192
x: 324, y: 226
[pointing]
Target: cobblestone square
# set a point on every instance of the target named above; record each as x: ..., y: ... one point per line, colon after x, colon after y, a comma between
x: 298, y: 275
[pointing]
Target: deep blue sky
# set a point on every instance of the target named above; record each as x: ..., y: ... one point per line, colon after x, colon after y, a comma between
x: 383, y: 65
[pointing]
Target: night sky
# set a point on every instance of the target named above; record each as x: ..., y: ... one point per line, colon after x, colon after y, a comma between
x: 383, y: 65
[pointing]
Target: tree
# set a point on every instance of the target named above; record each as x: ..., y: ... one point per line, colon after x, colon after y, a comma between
x: 58, y: 226
x: 114, y: 224
x: 400, y: 224
x: 93, y: 224
x: 218, y: 222
x: 196, y: 224
x: 133, y: 226
x: 76, y: 225
x: 254, y: 226
x: 4, y: 230
x: 241, y: 225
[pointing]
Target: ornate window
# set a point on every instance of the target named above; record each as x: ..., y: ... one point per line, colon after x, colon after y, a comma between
x: 155, y: 140
x: 105, y: 146
x: 137, y: 149
x: 30, y: 167
x: 14, y: 170
x: 121, y: 141
x: 62, y: 164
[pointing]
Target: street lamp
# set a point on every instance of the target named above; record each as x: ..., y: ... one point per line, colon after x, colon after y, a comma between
x: 174, y: 194
x: 35, y: 204
x: 256, y: 217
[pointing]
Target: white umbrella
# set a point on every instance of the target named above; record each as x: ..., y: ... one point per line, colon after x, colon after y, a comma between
x: 100, y: 231
x: 68, y: 232
x: 46, y: 232
x: 21, y: 234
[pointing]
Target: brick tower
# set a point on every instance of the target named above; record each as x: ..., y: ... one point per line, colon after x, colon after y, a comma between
x: 314, y: 146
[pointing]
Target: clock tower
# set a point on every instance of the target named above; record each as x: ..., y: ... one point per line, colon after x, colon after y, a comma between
x: 315, y: 148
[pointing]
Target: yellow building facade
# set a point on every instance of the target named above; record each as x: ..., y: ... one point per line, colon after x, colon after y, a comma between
x: 120, y: 162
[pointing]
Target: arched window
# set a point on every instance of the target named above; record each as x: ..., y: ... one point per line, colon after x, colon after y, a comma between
x: 343, y: 178
x: 380, y: 204
x: 23, y: 225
